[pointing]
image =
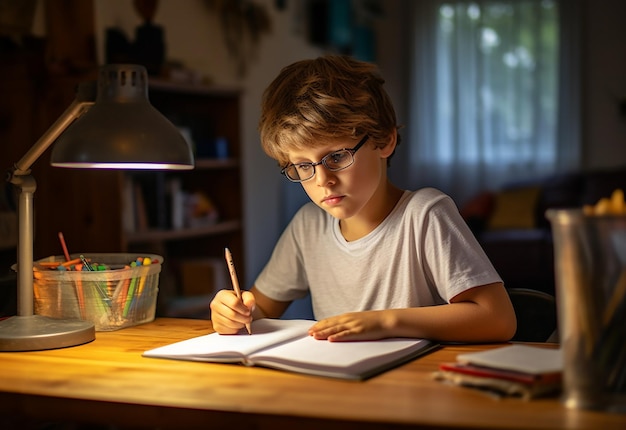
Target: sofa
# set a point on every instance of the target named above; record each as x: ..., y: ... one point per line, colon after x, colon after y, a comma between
x: 511, y: 225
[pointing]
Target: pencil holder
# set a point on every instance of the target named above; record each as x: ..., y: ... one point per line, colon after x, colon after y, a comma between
x: 117, y: 290
x: 590, y: 274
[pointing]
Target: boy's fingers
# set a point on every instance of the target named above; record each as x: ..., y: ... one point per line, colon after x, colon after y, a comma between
x: 248, y: 300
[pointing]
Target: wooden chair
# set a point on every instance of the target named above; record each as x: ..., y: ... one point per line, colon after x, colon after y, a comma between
x: 536, y: 315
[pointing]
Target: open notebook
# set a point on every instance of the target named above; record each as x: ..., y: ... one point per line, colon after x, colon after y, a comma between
x: 286, y: 345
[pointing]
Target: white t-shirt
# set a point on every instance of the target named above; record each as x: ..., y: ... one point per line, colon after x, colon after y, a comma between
x: 422, y: 254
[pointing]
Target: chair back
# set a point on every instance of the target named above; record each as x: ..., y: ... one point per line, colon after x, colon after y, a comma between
x: 536, y: 315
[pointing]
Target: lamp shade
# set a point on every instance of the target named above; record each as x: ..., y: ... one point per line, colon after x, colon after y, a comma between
x: 122, y: 130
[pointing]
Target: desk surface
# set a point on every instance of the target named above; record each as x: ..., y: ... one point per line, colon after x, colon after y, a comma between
x: 108, y: 381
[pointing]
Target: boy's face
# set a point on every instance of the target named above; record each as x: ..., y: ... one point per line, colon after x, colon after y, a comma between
x: 348, y: 192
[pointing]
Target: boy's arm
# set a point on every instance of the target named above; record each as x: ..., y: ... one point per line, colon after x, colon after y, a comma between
x: 480, y: 314
x: 266, y: 307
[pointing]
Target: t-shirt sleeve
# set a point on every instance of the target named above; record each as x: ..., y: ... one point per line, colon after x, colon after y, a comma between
x: 454, y: 258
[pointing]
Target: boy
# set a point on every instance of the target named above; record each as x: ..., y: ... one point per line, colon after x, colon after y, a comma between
x: 378, y: 261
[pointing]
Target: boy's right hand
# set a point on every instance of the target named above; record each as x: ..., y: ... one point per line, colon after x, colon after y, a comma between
x: 229, y: 314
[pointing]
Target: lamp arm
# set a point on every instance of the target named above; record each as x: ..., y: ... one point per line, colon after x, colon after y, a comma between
x: 74, y: 111
x: 85, y: 98
x: 27, y: 186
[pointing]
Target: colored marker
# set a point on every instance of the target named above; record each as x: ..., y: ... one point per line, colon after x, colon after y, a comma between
x: 142, y: 283
x: 131, y: 291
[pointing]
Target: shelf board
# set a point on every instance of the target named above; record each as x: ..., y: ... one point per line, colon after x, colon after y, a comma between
x: 155, y: 235
x: 190, y: 88
x: 216, y: 163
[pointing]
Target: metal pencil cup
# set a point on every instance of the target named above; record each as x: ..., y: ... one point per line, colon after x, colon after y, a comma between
x: 110, y: 299
x: 590, y: 274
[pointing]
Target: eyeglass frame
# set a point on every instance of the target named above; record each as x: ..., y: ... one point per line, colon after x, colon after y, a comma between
x: 352, y: 151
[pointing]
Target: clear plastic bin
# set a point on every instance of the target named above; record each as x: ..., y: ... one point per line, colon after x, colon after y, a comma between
x: 117, y: 297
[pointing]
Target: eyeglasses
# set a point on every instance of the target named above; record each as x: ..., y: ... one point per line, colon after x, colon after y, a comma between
x: 335, y: 161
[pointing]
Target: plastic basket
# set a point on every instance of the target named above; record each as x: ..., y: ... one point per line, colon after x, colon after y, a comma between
x: 117, y: 297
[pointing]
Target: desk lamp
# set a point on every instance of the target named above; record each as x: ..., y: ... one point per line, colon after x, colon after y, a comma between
x: 114, y: 127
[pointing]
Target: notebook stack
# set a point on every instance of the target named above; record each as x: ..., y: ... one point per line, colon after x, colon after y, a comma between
x: 516, y: 370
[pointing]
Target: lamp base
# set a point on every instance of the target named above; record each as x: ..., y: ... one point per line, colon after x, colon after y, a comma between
x: 37, y: 332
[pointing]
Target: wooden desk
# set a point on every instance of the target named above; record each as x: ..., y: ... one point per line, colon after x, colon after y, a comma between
x: 107, y: 381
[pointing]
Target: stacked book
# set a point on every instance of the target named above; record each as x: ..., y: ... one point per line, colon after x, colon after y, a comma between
x: 516, y: 370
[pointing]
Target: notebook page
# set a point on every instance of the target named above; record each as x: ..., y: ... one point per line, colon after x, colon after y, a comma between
x: 216, y: 347
x: 349, y: 357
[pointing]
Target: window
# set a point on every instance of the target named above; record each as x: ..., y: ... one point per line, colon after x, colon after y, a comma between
x: 487, y: 100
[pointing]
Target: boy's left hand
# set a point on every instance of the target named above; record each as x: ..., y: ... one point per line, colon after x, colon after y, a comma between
x: 351, y: 326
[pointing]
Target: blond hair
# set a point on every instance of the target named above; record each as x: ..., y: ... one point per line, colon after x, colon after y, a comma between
x: 329, y: 97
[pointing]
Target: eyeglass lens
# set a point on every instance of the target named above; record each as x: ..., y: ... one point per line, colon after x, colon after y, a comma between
x: 334, y: 162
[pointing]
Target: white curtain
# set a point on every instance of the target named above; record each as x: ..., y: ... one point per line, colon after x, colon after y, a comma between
x: 494, y: 93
